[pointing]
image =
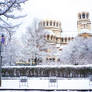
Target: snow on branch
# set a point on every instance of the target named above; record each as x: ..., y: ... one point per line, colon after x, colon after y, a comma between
x: 8, y: 10
x: 14, y: 17
x: 7, y: 5
x: 77, y: 52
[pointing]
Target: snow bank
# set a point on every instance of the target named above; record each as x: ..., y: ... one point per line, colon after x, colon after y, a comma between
x: 45, y: 83
x: 51, y: 66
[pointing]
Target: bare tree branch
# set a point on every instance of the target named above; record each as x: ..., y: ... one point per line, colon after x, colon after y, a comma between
x: 6, y: 11
x: 14, y: 17
x: 2, y: 12
x: 5, y: 6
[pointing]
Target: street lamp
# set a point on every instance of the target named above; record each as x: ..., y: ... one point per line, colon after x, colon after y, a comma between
x: 1, y: 43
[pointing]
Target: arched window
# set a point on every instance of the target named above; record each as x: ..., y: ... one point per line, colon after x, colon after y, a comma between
x: 65, y: 39
x: 50, y: 23
x: 47, y: 23
x: 87, y: 15
x: 83, y: 15
x: 61, y: 39
x: 51, y: 37
x: 57, y: 24
x: 47, y: 37
x: 54, y: 23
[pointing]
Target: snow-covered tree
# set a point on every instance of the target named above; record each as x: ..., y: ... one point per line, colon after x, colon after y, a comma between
x: 35, y: 43
x: 29, y: 42
x: 9, y: 14
x: 32, y: 42
x: 11, y: 53
x: 78, y: 51
x: 7, y: 8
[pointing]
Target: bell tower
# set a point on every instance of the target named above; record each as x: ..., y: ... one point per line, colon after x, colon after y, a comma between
x: 83, y: 21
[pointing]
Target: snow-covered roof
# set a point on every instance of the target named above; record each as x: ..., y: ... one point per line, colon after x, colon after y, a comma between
x: 85, y: 31
x: 48, y: 32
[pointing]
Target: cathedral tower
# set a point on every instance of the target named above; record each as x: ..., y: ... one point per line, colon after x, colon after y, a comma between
x: 83, y: 21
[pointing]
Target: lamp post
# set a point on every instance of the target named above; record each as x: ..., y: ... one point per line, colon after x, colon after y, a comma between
x: 1, y: 43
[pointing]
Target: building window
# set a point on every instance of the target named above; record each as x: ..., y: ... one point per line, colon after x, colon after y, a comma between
x: 50, y: 23
x: 61, y: 39
x: 57, y: 24
x: 54, y: 23
x: 47, y: 23
x: 65, y: 39
x: 87, y: 15
x: 83, y: 15
x: 51, y: 37
x: 47, y: 37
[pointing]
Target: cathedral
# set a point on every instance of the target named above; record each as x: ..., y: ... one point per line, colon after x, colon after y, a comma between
x: 56, y: 38
x: 55, y: 33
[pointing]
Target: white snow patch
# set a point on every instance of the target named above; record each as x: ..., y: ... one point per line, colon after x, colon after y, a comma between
x: 51, y: 66
x: 85, y: 31
x: 45, y: 83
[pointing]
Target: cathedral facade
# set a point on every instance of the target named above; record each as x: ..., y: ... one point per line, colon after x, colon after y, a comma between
x: 54, y: 30
x: 54, y: 35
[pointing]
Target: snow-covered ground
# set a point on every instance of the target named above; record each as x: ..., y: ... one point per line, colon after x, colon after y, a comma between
x: 51, y: 66
x: 46, y: 83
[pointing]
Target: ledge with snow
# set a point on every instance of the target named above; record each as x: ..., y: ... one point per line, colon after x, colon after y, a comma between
x: 47, y: 83
x: 44, y: 78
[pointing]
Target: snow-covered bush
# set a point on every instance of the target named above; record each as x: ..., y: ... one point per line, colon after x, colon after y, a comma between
x: 78, y: 51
